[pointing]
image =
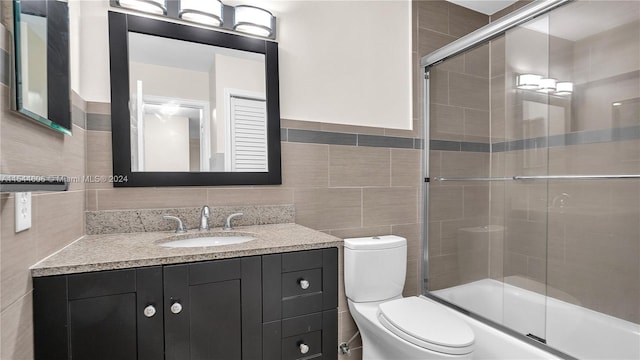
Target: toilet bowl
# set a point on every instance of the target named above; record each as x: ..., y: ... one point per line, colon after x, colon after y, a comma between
x: 393, y: 327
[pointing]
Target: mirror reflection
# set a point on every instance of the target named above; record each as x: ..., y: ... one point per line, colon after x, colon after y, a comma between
x: 33, y: 57
x: 196, y: 107
x: 41, y: 58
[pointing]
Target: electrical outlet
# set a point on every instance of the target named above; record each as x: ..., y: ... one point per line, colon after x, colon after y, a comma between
x: 23, y: 211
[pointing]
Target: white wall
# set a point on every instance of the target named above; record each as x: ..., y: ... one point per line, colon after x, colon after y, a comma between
x: 171, y: 82
x: 344, y: 62
x: 74, y: 44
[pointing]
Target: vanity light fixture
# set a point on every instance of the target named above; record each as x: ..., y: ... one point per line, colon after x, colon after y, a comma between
x: 253, y: 20
x: 564, y: 88
x: 547, y: 85
x: 208, y: 12
x: 537, y: 83
x: 149, y: 6
x: 528, y: 81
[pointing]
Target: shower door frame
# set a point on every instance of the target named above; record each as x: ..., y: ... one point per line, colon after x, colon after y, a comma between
x: 467, y: 42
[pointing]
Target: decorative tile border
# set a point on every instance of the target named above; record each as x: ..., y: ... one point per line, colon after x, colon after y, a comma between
x: 102, y: 122
x: 348, y: 139
x: 575, y: 138
x: 98, y: 122
x: 78, y: 117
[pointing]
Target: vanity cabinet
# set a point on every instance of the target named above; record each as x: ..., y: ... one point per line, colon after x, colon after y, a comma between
x: 221, y: 309
x: 299, y: 302
x: 99, y: 315
x: 213, y: 310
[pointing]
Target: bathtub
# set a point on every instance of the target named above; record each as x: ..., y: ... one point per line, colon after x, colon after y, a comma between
x: 574, y: 330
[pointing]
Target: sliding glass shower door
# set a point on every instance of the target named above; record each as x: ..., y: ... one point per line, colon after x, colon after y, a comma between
x: 534, y: 167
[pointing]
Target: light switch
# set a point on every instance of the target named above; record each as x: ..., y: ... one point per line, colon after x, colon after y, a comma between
x: 23, y: 211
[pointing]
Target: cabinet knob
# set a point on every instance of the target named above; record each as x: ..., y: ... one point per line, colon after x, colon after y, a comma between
x: 176, y: 307
x: 304, y: 284
x: 304, y: 348
x: 149, y: 311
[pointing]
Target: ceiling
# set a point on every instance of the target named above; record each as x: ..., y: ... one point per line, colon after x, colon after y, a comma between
x: 487, y: 7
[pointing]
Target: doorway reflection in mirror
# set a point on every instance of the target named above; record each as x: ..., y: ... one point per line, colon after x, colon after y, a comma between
x: 196, y: 107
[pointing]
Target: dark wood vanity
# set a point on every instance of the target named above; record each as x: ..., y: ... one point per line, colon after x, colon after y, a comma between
x: 274, y: 306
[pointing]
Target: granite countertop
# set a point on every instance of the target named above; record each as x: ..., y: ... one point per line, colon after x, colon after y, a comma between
x: 119, y: 251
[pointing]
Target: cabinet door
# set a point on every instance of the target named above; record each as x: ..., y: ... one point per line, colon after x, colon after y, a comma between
x: 213, y: 310
x: 99, y: 315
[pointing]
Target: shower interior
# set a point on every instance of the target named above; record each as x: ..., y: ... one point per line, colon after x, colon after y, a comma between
x: 534, y: 184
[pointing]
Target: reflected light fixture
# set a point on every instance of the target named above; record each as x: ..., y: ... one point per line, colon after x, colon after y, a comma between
x: 253, y: 20
x: 207, y: 12
x: 149, y: 6
x: 547, y: 85
x: 529, y: 81
x: 564, y: 88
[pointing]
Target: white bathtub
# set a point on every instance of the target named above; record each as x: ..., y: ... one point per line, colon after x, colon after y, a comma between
x: 577, y: 331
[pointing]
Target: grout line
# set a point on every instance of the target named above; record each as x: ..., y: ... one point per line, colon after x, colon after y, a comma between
x: 29, y: 294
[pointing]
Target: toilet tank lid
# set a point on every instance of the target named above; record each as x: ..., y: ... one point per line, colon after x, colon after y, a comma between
x: 375, y: 242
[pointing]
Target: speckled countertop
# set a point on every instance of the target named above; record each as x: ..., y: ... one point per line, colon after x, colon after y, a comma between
x: 119, y: 251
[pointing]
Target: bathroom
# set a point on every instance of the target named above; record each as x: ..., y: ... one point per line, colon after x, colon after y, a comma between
x: 337, y: 182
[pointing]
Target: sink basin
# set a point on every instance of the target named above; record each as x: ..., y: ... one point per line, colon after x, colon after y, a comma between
x: 216, y: 239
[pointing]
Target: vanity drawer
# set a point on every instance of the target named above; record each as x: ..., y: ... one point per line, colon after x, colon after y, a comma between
x: 282, y: 293
x: 301, y: 282
x: 302, y: 260
x: 301, y: 324
x: 318, y: 331
x: 302, y: 304
x: 308, y: 345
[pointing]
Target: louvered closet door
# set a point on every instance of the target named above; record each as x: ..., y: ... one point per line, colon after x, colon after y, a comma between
x: 248, y: 135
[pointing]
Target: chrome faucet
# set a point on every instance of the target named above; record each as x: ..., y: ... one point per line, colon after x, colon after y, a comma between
x: 180, y: 227
x: 205, y: 214
x: 227, y: 223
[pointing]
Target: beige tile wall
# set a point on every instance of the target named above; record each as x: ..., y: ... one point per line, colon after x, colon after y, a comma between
x: 581, y: 238
x: 594, y: 234
x: 459, y: 112
x: 594, y: 229
x: 57, y: 217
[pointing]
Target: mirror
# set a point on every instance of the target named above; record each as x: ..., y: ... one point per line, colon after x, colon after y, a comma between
x: 41, y: 84
x: 192, y: 106
x: 196, y: 108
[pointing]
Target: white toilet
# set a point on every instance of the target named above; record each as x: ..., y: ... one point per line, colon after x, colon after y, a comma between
x: 393, y: 327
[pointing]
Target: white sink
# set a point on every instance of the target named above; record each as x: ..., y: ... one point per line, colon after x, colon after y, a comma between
x: 204, y: 241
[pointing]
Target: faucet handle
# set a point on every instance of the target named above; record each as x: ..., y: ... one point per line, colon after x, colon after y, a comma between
x: 180, y: 229
x: 227, y: 224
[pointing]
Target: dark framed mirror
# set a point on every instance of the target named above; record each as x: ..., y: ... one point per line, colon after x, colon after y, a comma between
x: 41, y: 62
x: 191, y: 106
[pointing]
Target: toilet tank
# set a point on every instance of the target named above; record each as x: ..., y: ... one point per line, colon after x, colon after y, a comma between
x: 374, y: 267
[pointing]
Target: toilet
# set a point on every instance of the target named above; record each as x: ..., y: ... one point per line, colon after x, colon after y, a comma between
x: 393, y: 327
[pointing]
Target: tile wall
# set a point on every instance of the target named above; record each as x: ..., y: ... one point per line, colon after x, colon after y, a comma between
x: 574, y: 240
x: 57, y: 217
x: 460, y: 105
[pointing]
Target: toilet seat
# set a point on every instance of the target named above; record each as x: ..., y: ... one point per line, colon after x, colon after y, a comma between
x: 425, y: 324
